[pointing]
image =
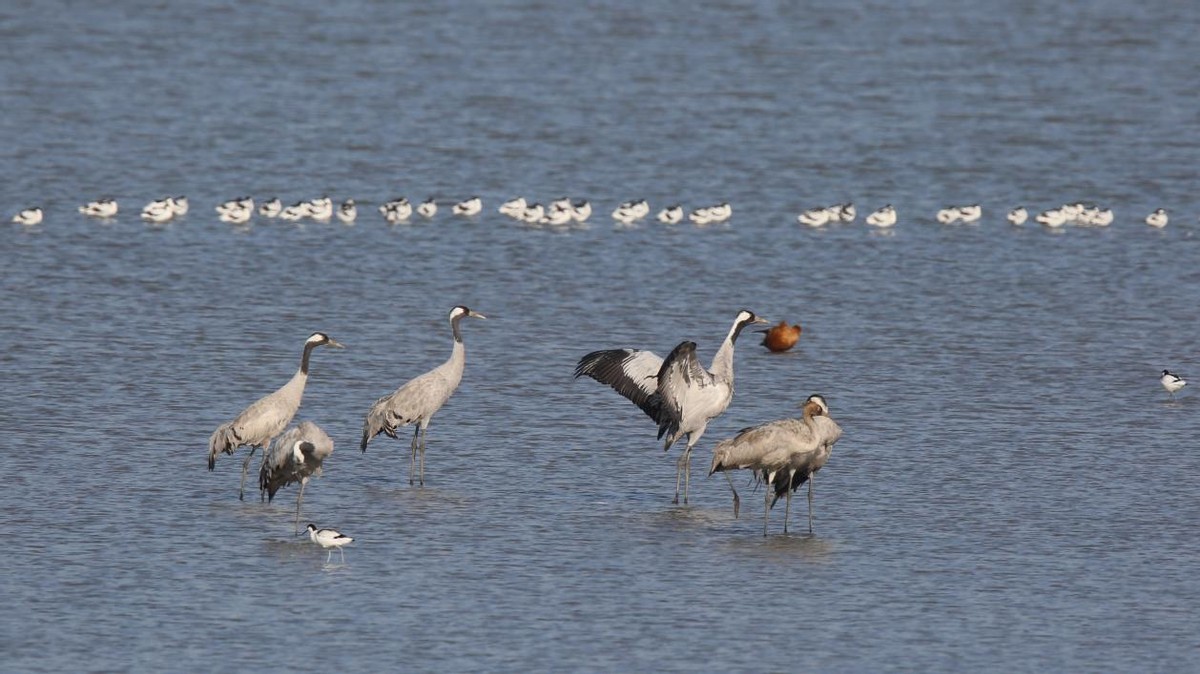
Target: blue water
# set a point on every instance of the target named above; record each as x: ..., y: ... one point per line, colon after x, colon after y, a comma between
x: 1014, y: 491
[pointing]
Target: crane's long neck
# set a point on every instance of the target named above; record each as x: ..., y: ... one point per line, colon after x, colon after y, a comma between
x: 722, y: 363
x: 308, y: 349
x: 458, y: 356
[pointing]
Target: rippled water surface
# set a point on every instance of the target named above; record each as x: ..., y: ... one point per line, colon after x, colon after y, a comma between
x: 1013, y: 492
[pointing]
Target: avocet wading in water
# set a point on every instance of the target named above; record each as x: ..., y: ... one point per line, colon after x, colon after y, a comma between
x: 883, y: 218
x: 671, y: 215
x: 815, y: 217
x: 28, y: 216
x: 1172, y: 382
x: 419, y: 399
x: 347, y: 211
x: 427, y: 208
x: 468, y: 207
x: 259, y: 423
x: 271, y: 208
x: 100, y: 208
x: 1018, y: 215
x: 678, y: 394
x: 1158, y: 218
x: 329, y: 539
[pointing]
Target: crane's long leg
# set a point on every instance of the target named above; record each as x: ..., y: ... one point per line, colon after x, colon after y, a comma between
x: 737, y: 501
x: 767, y: 505
x: 424, y: 438
x: 412, y: 459
x: 262, y: 492
x: 246, y: 469
x: 299, y: 500
x: 810, y: 516
x: 682, y: 473
x: 787, y: 503
x: 687, y: 471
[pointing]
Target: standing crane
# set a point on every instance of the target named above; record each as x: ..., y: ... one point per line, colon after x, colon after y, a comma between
x: 256, y: 425
x: 296, y: 456
x: 784, y: 454
x: 678, y: 394
x: 419, y: 399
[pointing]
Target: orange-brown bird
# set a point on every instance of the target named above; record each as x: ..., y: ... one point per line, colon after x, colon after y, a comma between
x: 781, y: 337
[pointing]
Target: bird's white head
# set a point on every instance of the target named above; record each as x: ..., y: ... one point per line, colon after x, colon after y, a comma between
x: 297, y: 452
x: 460, y: 311
x: 746, y: 317
x: 819, y: 401
x: 322, y: 339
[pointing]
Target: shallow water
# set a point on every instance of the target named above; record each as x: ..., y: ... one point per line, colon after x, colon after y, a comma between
x: 1013, y: 491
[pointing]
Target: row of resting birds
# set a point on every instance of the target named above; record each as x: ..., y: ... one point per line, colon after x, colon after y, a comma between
x: 566, y: 211
x: 677, y: 393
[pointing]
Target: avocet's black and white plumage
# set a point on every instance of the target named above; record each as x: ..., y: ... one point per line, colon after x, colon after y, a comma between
x: 427, y: 208
x: 396, y: 210
x: 347, y: 211
x: 815, y: 217
x: 28, y: 216
x: 678, y: 394
x: 883, y: 218
x: 671, y: 215
x: 237, y: 211
x: 271, y: 208
x: 329, y: 539
x: 1172, y: 382
x: 294, y: 457
x: 1018, y: 215
x: 1158, y: 218
x: 100, y: 208
x: 468, y: 207
x: 159, y: 211
x: 784, y: 454
x: 256, y: 425
x: 419, y: 399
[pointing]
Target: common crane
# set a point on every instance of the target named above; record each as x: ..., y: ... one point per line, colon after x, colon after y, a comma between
x: 256, y: 425
x: 419, y: 399
x: 294, y: 457
x: 678, y: 394
x: 784, y: 454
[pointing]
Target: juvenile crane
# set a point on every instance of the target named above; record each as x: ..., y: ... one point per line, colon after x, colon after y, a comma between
x: 678, y: 394
x: 784, y: 454
x: 419, y: 399
x: 266, y: 418
x: 296, y: 456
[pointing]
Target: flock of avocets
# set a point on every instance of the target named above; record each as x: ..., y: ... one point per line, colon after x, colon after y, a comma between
x: 567, y: 211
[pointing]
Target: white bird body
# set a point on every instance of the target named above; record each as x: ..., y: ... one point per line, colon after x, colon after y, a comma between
x: 1053, y: 218
x: 970, y: 213
x: 1018, y: 215
x: 533, y: 213
x: 329, y: 539
x: 101, y: 208
x: 178, y: 205
x: 671, y: 215
x: 678, y: 394
x: 784, y: 454
x: 883, y: 218
x: 581, y: 211
x: 720, y: 213
x: 420, y: 398
x: 295, y: 456
x: 396, y: 210
x: 347, y: 211
x: 626, y: 214
x: 468, y: 207
x: 700, y: 216
x: 427, y: 208
x: 1158, y: 218
x: 271, y: 208
x: 847, y: 212
x: 1171, y: 382
x: 259, y: 423
x: 558, y: 217
x: 814, y: 217
x: 320, y: 209
x: 514, y: 208
x: 158, y: 212
x: 28, y: 217
x: 948, y: 216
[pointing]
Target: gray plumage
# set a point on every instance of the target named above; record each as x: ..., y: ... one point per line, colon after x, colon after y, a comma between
x: 419, y: 399
x: 294, y: 457
x: 678, y: 393
x: 784, y: 454
x: 256, y: 425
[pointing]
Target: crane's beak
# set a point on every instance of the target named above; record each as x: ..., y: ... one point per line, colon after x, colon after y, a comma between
x: 336, y: 344
x: 759, y: 319
x: 475, y: 314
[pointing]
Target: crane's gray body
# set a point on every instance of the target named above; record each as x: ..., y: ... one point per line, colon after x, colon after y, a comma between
x: 678, y: 393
